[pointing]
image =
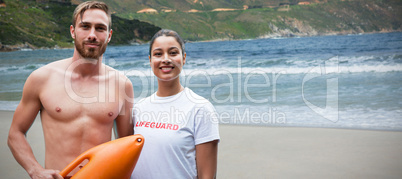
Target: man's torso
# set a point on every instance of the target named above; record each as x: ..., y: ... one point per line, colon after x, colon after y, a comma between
x: 77, y: 113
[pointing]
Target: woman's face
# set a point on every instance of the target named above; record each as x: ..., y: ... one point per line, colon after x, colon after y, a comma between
x: 167, y: 58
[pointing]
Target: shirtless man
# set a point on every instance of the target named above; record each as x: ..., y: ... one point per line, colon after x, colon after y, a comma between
x: 78, y: 98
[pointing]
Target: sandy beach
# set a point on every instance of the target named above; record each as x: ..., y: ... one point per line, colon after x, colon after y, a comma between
x: 271, y: 152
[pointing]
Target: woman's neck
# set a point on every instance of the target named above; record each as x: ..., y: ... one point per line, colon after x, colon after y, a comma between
x: 169, y: 88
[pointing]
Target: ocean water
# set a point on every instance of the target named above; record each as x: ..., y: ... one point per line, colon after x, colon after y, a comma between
x: 351, y: 81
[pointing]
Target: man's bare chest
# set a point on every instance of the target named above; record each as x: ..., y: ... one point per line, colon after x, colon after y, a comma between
x: 68, y: 102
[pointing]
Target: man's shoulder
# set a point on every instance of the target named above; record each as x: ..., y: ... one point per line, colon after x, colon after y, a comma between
x: 110, y: 70
x: 59, y: 64
x: 49, y: 69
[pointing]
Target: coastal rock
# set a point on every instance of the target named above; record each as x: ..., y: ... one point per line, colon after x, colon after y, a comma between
x: 10, y: 48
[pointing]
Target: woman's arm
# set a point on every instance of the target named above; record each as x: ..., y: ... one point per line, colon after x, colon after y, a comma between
x: 206, y: 158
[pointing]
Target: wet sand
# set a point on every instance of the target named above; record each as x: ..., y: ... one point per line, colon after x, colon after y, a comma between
x: 270, y: 152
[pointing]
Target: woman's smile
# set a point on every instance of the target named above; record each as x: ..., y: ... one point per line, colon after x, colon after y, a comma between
x: 166, y: 69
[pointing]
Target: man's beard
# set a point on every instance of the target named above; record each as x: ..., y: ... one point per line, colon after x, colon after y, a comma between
x: 90, y: 53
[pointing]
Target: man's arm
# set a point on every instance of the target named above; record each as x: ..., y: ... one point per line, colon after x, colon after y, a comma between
x: 124, y: 123
x: 206, y: 158
x: 23, y: 118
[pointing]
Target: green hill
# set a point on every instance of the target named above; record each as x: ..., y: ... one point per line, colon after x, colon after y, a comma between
x: 28, y: 24
x: 47, y: 24
x: 326, y: 18
x: 124, y: 6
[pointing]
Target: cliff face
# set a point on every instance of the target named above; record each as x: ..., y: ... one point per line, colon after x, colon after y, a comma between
x: 349, y: 17
x: 314, y: 18
x: 294, y: 27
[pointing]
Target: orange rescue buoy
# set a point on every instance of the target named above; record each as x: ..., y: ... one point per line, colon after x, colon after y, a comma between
x: 113, y: 159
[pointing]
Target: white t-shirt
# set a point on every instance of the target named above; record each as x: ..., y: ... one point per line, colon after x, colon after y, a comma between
x: 172, y: 127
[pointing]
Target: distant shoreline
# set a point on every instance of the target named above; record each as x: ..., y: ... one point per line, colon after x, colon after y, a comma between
x: 26, y: 47
x: 29, y: 47
x: 273, y: 36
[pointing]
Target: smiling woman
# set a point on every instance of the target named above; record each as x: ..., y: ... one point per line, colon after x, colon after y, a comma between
x: 180, y: 127
x: 167, y: 58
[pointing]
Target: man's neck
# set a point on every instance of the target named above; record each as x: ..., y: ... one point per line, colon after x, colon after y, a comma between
x: 86, y: 67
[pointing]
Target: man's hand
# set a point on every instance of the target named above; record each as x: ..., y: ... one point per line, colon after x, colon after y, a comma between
x: 46, y: 174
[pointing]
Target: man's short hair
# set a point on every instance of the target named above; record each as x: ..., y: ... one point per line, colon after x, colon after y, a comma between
x: 80, y: 9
